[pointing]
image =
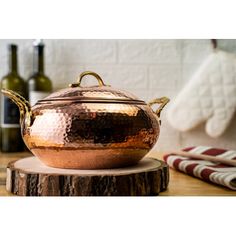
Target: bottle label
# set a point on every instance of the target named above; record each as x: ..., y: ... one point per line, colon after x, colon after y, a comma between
x: 34, y: 96
x: 10, y: 114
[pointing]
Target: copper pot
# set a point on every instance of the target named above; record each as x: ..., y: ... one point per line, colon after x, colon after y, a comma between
x: 89, y: 127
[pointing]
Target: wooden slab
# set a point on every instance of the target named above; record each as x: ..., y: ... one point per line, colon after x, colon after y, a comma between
x: 30, y: 177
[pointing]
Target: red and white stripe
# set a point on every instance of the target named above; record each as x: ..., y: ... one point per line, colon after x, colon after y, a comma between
x: 206, y: 170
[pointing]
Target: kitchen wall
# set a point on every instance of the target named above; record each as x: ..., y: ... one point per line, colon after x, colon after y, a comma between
x: 148, y: 68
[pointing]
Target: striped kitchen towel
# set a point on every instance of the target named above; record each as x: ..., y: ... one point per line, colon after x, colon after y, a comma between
x: 211, y: 172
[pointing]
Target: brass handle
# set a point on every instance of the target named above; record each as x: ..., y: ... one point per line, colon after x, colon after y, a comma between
x: 163, y: 101
x: 23, y: 105
x: 78, y: 84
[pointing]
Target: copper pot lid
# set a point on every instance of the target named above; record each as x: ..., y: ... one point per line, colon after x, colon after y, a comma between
x: 99, y: 93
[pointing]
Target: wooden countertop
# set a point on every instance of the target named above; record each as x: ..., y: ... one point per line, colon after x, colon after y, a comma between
x: 180, y: 184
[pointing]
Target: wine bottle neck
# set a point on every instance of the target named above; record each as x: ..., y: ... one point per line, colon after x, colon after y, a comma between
x: 39, y: 59
x: 13, y: 59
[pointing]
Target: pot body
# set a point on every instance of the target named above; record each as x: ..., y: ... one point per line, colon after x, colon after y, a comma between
x: 91, y: 135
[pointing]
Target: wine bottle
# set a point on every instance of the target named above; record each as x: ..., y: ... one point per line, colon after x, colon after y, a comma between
x: 11, y: 140
x: 39, y: 85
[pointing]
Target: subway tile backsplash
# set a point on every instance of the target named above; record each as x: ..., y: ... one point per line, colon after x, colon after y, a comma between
x: 147, y: 68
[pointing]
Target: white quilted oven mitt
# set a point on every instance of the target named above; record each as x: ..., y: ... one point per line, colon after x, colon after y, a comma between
x: 209, y: 96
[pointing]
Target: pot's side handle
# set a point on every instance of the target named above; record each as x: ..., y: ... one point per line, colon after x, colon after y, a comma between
x: 162, y: 101
x: 85, y: 73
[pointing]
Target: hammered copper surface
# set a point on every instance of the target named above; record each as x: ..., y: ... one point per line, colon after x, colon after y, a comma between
x: 92, y: 92
x: 91, y: 135
x: 89, y: 127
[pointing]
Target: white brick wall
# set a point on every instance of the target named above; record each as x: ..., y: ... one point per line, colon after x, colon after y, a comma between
x: 148, y: 68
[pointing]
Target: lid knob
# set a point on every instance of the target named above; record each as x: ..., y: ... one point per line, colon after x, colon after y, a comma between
x: 78, y: 84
